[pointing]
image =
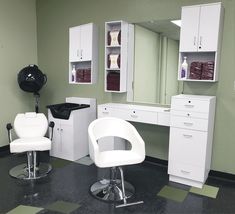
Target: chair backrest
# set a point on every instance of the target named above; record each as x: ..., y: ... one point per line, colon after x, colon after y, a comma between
x: 30, y: 124
x: 111, y: 126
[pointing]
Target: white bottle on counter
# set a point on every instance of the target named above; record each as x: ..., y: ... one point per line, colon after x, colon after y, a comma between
x: 73, y: 72
x: 184, y: 69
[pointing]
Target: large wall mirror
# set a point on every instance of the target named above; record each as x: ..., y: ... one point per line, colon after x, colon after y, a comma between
x: 156, y: 51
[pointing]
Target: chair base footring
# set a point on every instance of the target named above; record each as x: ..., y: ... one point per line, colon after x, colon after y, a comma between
x: 111, y: 192
x: 22, y: 171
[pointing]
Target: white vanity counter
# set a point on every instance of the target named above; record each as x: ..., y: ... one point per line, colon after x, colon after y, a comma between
x: 136, y: 113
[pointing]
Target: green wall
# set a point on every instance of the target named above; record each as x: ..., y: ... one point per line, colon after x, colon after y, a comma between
x: 18, y: 48
x: 54, y: 17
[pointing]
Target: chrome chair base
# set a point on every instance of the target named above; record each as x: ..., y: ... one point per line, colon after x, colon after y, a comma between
x: 22, y: 171
x: 111, y: 191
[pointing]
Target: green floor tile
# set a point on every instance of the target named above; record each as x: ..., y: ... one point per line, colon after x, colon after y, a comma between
x: 85, y: 161
x: 59, y: 163
x: 173, y: 193
x: 209, y: 191
x: 25, y: 209
x: 63, y: 207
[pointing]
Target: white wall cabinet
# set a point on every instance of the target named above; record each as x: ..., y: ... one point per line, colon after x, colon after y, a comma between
x: 200, y: 28
x: 200, y: 38
x: 191, y: 136
x: 119, y: 48
x: 80, y: 43
x: 83, y: 54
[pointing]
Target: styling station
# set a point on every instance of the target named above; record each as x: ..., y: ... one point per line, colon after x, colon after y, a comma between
x: 122, y: 107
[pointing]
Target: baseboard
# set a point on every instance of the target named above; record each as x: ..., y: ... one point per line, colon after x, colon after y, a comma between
x: 156, y: 161
x: 212, y: 173
x: 223, y: 175
x: 4, y: 150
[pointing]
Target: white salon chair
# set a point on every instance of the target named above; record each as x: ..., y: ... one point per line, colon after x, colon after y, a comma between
x: 114, y: 189
x: 31, y: 128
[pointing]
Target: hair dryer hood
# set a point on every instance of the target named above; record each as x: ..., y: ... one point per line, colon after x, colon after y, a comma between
x: 31, y: 79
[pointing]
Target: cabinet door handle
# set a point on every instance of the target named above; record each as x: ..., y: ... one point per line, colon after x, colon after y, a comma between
x: 200, y: 41
x: 77, y: 52
x: 81, y: 53
x: 194, y: 40
x: 189, y: 105
x: 184, y: 171
x: 188, y: 123
x: 187, y: 135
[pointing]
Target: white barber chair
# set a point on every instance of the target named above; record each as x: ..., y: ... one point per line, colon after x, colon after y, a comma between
x: 31, y: 128
x: 114, y: 189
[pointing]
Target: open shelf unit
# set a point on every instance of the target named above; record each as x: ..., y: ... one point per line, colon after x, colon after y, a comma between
x: 119, y: 36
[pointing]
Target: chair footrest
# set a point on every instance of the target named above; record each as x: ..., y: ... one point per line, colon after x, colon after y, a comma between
x: 129, y: 204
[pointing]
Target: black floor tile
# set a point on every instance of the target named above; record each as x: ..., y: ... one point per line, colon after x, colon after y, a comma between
x: 71, y: 184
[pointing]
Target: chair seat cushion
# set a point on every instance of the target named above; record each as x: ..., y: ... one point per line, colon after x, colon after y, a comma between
x: 30, y: 144
x: 118, y: 158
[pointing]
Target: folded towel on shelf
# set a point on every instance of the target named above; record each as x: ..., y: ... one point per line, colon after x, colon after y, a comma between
x: 113, y: 81
x: 83, y: 75
x: 195, y: 70
x: 208, y: 70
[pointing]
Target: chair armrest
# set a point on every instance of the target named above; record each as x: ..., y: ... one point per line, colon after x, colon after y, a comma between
x: 51, y: 125
x: 9, y: 128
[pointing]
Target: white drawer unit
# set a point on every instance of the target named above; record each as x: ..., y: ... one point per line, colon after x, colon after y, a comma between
x: 191, y: 135
x: 136, y: 113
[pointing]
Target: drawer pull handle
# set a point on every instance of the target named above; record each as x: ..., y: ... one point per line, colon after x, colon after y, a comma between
x: 167, y: 110
x: 134, y: 116
x: 187, y: 135
x: 105, y: 112
x: 184, y: 171
x: 188, y: 123
x: 189, y: 105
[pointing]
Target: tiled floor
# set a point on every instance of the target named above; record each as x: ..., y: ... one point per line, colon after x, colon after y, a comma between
x: 71, y: 183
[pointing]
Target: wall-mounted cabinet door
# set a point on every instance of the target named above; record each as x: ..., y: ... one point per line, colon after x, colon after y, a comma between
x: 74, y: 44
x: 86, y: 42
x: 189, y: 29
x: 209, y: 27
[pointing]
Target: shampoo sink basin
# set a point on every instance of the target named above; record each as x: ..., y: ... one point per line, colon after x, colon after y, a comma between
x: 63, y: 110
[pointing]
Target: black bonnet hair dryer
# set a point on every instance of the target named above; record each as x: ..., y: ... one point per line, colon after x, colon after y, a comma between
x: 31, y: 79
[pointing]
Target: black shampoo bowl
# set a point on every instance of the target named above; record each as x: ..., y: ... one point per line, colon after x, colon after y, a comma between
x: 63, y: 110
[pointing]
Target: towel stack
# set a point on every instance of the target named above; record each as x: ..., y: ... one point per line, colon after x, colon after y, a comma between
x: 195, y: 70
x: 208, y: 70
x: 83, y: 75
x: 113, y: 81
x: 202, y: 70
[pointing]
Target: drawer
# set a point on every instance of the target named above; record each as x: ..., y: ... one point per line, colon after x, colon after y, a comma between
x: 112, y: 112
x: 189, y: 123
x: 190, y: 114
x: 188, y: 146
x: 188, y: 104
x: 186, y: 171
x: 143, y: 116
